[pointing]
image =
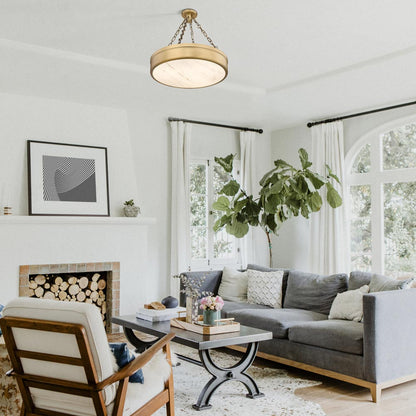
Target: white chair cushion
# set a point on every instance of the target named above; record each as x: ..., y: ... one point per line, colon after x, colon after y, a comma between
x: 155, y: 373
x: 63, y: 344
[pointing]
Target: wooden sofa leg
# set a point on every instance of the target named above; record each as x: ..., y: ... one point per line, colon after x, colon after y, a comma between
x: 375, y: 393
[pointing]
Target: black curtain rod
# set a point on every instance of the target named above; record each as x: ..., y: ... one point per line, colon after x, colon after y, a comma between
x: 364, y: 113
x: 225, y: 126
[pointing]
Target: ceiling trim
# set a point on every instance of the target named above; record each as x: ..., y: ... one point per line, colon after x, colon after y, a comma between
x: 359, y: 65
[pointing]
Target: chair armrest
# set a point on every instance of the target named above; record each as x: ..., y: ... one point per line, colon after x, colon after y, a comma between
x: 389, y: 338
x: 137, y: 363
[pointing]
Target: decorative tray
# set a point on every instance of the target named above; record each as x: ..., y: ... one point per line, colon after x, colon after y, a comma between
x: 201, y: 328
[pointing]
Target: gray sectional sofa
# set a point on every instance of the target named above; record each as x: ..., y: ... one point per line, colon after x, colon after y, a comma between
x: 376, y: 354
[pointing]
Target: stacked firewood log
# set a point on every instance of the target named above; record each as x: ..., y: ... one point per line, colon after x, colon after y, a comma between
x: 71, y: 289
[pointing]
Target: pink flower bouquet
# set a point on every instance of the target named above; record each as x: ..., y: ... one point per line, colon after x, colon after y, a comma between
x: 213, y: 303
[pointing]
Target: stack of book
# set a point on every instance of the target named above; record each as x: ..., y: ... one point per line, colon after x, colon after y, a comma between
x: 155, y: 315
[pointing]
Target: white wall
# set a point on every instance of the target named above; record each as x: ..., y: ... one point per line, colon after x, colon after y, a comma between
x: 34, y: 118
x: 291, y: 247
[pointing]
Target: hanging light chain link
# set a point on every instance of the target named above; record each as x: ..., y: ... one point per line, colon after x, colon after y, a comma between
x: 205, y: 33
x: 192, y: 31
x: 181, y: 27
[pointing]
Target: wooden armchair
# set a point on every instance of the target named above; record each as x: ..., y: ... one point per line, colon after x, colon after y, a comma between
x: 65, y: 368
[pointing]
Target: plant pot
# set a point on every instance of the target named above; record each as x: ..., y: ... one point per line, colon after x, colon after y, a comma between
x: 131, y: 211
x: 210, y: 316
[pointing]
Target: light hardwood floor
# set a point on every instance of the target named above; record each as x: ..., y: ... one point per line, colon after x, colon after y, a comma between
x: 342, y: 399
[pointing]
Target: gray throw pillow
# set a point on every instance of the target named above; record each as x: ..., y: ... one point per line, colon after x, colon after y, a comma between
x: 313, y: 292
x: 359, y: 279
x: 381, y: 283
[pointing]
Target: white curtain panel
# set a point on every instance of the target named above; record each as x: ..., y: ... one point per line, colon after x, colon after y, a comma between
x: 248, y: 182
x: 180, y: 224
x: 329, y: 244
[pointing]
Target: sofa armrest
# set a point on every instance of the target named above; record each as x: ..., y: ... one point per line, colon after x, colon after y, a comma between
x: 211, y: 283
x: 389, y: 335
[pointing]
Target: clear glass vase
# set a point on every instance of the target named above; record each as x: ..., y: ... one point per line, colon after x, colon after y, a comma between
x: 192, y: 309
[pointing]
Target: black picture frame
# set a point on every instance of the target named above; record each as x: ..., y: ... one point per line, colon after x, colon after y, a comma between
x: 66, y: 179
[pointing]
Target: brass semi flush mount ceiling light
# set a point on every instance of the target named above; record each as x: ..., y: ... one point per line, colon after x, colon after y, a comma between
x: 189, y: 65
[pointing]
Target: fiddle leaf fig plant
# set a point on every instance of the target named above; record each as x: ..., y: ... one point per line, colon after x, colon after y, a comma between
x: 286, y: 191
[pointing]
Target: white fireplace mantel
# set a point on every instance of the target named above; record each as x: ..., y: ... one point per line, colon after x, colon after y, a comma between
x: 43, y: 240
x: 46, y: 219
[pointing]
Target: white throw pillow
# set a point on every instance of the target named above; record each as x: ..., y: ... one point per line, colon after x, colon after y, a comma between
x: 233, y: 285
x: 349, y: 305
x: 265, y: 288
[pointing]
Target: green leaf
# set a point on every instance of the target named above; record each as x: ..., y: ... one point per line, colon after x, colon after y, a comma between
x: 317, y: 180
x: 271, y: 204
x: 304, y: 210
x: 332, y: 174
x: 304, y: 158
x: 221, y: 204
x: 231, y: 188
x: 225, y: 162
x: 266, y: 176
x: 315, y: 202
x: 333, y: 197
x: 237, y: 229
x: 225, y: 219
x: 279, y: 163
x: 271, y: 223
x: 239, y: 205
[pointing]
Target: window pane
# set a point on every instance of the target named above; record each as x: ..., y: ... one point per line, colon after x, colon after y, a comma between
x: 223, y: 242
x: 399, y: 147
x: 362, y: 162
x: 220, y: 178
x: 198, y: 178
x: 198, y: 210
x: 223, y: 245
x: 360, y: 227
x: 400, y: 227
x: 199, y: 242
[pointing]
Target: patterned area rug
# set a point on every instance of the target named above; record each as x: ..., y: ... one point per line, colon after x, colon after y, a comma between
x: 230, y: 398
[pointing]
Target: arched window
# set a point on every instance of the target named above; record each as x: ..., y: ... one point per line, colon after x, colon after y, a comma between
x: 381, y: 176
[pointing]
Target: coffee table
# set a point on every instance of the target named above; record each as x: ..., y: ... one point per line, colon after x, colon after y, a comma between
x: 204, y: 344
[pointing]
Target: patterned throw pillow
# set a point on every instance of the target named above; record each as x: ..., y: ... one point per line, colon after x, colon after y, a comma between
x: 123, y: 356
x: 265, y: 288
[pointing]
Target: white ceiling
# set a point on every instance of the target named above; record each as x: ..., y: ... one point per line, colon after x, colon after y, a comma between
x: 289, y: 61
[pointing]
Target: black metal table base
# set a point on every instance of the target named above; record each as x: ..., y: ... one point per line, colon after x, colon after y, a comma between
x: 219, y: 375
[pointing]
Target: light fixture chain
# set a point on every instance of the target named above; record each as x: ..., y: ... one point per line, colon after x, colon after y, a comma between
x: 177, y: 32
x: 204, y: 33
x: 182, y: 33
x: 192, y: 31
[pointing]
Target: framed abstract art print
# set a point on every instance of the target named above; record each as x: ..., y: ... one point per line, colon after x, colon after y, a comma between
x: 67, y: 179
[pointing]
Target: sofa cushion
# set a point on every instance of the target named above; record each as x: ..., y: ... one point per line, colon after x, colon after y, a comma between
x: 268, y: 269
x: 359, y: 279
x: 338, y: 335
x: 230, y: 307
x: 211, y: 283
x: 233, y: 285
x: 265, y: 288
x: 381, y: 283
x: 278, y: 321
x: 349, y: 305
x: 312, y: 291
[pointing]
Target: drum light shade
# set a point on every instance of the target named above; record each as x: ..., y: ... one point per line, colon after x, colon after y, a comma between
x: 189, y: 65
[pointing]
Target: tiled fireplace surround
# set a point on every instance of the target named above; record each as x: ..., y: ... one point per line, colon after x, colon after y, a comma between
x: 113, y: 281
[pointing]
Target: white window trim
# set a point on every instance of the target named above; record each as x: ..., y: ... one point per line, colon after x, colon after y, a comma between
x: 210, y: 263
x: 375, y: 179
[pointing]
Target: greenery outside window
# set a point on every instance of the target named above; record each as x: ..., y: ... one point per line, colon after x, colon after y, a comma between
x: 382, y: 194
x: 209, y: 250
